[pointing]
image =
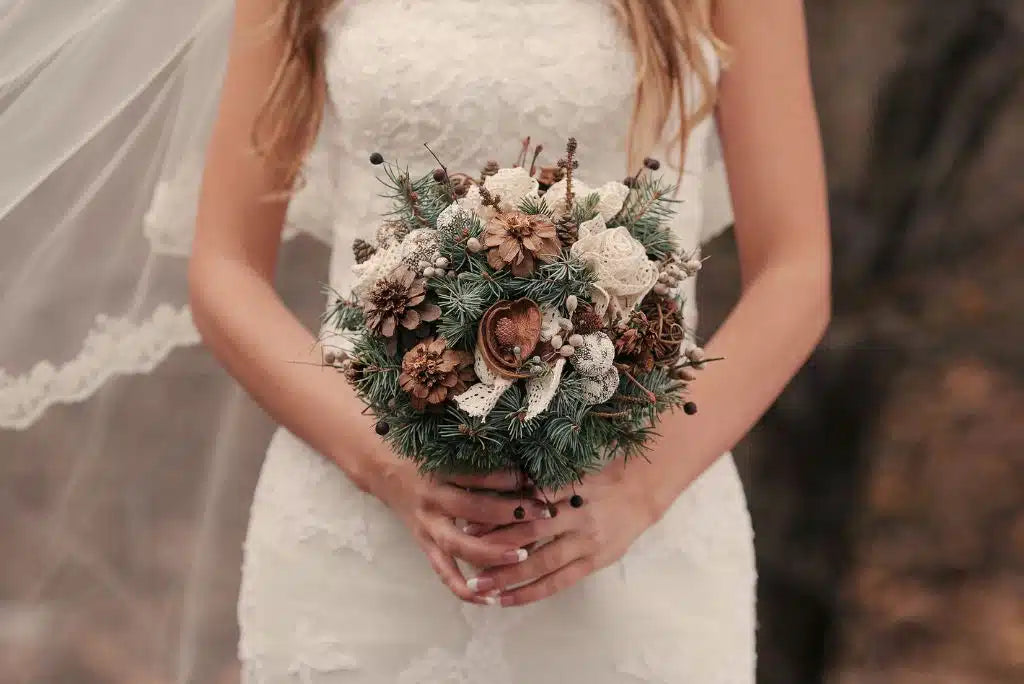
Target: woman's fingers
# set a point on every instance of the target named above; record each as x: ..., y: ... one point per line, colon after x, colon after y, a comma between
x: 445, y: 567
x: 524, y: 534
x: 504, y: 481
x: 478, y: 551
x: 549, y: 585
x: 478, y: 530
x: 477, y: 507
x: 546, y: 560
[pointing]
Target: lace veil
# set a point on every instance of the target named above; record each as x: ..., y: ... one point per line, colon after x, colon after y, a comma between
x: 123, y: 502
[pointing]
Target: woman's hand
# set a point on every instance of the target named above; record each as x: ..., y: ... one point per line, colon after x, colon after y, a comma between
x: 429, y: 507
x: 617, y: 508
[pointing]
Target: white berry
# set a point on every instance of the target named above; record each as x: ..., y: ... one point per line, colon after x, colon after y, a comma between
x: 567, y: 350
x: 576, y: 340
x: 571, y: 302
x: 556, y: 341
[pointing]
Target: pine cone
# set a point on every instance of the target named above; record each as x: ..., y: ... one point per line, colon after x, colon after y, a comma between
x: 398, y: 299
x: 390, y: 233
x: 567, y: 231
x: 635, y: 343
x: 431, y: 372
x: 363, y: 250
x: 505, y: 333
x: 353, y: 370
x: 517, y: 240
x: 490, y: 168
x: 585, y: 320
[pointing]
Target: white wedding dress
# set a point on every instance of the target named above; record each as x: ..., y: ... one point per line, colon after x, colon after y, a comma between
x: 334, y: 589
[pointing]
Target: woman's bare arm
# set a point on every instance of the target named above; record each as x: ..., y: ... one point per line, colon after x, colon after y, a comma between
x: 240, y: 316
x: 248, y: 328
x: 773, y: 154
x: 770, y: 134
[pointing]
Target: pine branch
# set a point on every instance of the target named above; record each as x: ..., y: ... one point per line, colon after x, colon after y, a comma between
x: 535, y: 206
x: 343, y: 314
x: 552, y: 283
x: 586, y: 209
x: 647, y: 213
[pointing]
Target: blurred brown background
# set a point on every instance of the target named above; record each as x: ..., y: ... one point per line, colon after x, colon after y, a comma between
x: 887, y: 484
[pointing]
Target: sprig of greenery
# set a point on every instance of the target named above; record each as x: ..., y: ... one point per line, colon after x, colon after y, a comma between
x: 647, y: 213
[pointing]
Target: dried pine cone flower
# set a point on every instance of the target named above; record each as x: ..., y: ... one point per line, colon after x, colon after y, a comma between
x: 431, y: 372
x: 635, y: 343
x: 504, y: 327
x: 399, y: 298
x: 517, y: 240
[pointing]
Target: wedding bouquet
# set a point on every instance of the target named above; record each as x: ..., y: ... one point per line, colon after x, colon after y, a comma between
x: 519, y: 320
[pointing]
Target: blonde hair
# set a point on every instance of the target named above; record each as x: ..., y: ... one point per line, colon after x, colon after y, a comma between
x: 667, y: 36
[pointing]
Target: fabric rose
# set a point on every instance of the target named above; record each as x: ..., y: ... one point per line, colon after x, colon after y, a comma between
x: 513, y: 185
x: 611, y: 195
x: 624, y: 273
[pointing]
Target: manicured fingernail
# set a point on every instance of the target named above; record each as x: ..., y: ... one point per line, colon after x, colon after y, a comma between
x: 492, y: 600
x: 517, y: 556
x: 472, y: 528
x: 478, y: 584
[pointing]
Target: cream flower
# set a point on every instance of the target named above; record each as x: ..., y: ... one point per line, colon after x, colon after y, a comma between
x: 624, y: 273
x: 474, y: 203
x: 511, y: 186
x: 419, y: 244
x: 610, y: 197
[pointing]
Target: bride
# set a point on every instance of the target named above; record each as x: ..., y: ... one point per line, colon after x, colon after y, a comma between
x: 652, y: 579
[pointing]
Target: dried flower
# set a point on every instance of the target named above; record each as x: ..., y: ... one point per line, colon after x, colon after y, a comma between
x: 586, y: 320
x: 635, y: 342
x: 517, y: 240
x: 666, y: 322
x: 490, y: 168
x: 399, y: 298
x: 362, y: 250
x: 549, y: 175
x: 390, y: 233
x: 505, y: 328
x: 431, y: 372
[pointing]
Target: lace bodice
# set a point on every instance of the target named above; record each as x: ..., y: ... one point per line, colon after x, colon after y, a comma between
x: 472, y: 79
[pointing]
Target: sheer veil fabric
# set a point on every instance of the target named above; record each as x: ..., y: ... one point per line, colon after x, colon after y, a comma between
x: 122, y: 541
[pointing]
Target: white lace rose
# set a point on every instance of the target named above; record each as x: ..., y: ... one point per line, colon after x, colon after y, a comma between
x: 624, y: 273
x: 611, y: 195
x: 513, y: 185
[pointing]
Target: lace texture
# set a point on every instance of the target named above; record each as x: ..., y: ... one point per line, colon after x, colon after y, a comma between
x: 115, y: 346
x: 472, y: 79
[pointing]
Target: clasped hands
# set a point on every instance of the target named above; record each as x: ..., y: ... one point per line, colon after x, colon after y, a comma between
x: 515, y: 568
